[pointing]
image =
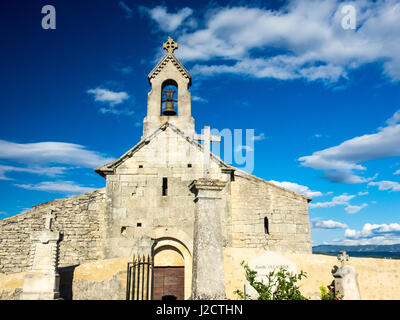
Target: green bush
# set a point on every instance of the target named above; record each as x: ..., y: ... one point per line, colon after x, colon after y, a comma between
x: 280, y: 285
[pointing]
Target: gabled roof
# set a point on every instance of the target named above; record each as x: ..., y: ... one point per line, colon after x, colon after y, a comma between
x: 170, y: 57
x: 109, y: 167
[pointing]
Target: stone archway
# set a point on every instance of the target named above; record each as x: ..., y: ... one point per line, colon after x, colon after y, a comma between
x: 169, y: 274
x: 171, y: 252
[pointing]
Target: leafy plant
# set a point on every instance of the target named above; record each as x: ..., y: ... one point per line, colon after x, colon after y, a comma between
x: 280, y: 285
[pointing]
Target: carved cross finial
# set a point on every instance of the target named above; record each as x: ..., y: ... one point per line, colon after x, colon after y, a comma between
x: 170, y: 45
x: 49, y: 217
x: 343, y: 257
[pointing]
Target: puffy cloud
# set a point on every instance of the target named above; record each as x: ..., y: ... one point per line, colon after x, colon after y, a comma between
x: 304, y: 190
x: 386, y: 185
x: 111, y: 97
x: 167, y: 22
x: 372, y: 230
x: 327, y: 224
x: 340, y: 161
x: 303, y: 39
x: 64, y: 187
x: 371, y: 234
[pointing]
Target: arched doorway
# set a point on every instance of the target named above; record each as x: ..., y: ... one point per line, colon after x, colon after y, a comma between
x: 169, y: 274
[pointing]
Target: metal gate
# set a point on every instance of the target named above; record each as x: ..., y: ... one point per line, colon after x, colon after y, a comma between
x: 140, y: 278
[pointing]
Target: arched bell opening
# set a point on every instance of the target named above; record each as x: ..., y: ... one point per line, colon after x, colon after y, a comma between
x: 169, y: 98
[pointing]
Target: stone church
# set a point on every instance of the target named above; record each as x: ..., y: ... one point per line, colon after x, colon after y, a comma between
x: 168, y: 200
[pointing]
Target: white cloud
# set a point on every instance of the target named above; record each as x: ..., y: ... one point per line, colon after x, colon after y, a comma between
x: 338, y: 200
x: 340, y: 162
x: 371, y: 234
x: 354, y: 209
x: 48, y: 171
x: 328, y: 224
x: 110, y: 99
x: 40, y: 153
x: 304, y: 190
x: 397, y: 172
x: 64, y: 187
x: 308, y: 35
x: 363, y: 193
x: 108, y: 96
x: 199, y: 99
x: 371, y: 230
x: 168, y: 22
x: 386, y: 185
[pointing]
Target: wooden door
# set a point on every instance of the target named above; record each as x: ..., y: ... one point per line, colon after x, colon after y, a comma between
x: 169, y: 283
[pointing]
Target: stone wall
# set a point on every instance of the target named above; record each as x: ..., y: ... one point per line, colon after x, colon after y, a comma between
x: 253, y: 199
x: 79, y: 219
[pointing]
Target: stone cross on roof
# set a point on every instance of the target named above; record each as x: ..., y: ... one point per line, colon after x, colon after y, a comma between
x: 49, y: 217
x: 343, y: 257
x: 170, y: 45
x: 207, y: 138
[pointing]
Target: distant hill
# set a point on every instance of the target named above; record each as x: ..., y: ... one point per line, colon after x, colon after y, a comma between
x: 372, y: 251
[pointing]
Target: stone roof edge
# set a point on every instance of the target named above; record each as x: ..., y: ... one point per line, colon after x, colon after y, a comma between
x: 109, y: 167
x: 244, y: 174
x: 50, y: 203
x: 161, y: 64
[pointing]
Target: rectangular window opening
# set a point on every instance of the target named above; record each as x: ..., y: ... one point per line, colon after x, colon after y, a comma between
x: 165, y: 187
x: 266, y: 226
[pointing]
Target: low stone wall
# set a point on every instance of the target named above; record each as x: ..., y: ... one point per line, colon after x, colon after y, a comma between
x: 379, y: 279
x: 100, y: 280
x: 11, y: 286
x: 79, y: 219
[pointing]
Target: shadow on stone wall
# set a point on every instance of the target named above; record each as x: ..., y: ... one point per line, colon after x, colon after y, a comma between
x: 66, y: 279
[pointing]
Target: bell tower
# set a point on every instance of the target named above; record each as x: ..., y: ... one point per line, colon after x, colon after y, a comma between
x: 169, y: 99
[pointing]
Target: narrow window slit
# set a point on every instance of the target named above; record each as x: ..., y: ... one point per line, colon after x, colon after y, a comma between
x: 266, y: 226
x: 165, y: 187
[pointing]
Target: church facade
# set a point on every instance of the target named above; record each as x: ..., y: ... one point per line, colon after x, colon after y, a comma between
x: 148, y: 195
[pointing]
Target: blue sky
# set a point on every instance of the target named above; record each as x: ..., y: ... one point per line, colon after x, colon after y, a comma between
x: 323, y: 100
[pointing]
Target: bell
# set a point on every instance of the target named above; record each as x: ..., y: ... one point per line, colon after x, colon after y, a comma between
x: 169, y: 109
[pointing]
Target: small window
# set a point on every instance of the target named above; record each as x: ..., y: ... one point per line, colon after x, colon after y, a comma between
x: 189, y: 165
x: 139, y: 224
x: 266, y: 226
x: 165, y: 187
x: 140, y: 166
x: 123, y: 230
